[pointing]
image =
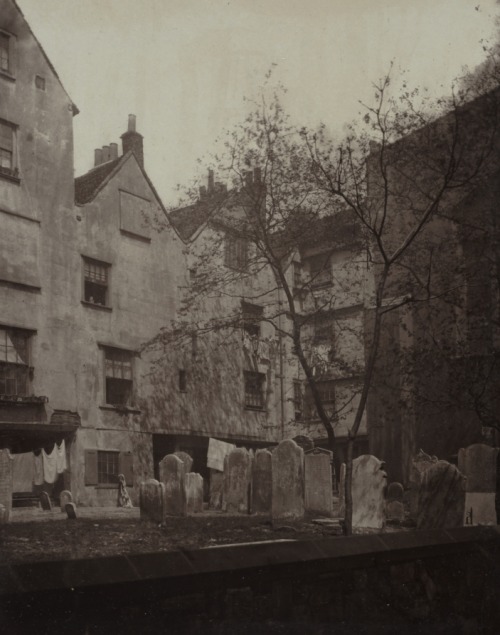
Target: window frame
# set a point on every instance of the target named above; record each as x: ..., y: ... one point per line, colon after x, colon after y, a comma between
x: 111, y: 380
x: 251, y: 318
x: 328, y: 398
x: 235, y: 252
x: 17, y: 367
x: 10, y: 172
x: 108, y: 454
x: 10, y: 71
x: 254, y: 397
x: 87, y: 260
x: 321, y: 276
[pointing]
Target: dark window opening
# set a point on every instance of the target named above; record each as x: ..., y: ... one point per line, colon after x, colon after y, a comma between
x: 14, y: 362
x: 252, y: 316
x: 40, y: 82
x: 108, y: 465
x: 96, y: 282
x: 323, y: 329
x: 119, y: 380
x: 320, y: 270
x: 182, y: 381
x: 254, y: 390
x: 235, y: 252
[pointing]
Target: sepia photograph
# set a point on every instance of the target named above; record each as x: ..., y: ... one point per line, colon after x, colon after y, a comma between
x: 249, y: 317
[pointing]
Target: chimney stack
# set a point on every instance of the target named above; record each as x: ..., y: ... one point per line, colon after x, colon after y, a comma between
x: 113, y: 151
x: 203, y: 191
x: 105, y: 154
x: 132, y: 141
x: 210, y: 181
x: 97, y: 157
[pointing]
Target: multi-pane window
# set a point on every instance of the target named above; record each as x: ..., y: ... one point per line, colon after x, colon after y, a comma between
x: 119, y: 377
x: 252, y: 316
x: 14, y: 362
x: 5, y: 52
x: 326, y: 391
x: 235, y: 252
x: 108, y: 465
x: 320, y: 270
x: 323, y: 329
x: 96, y: 282
x: 7, y: 133
x: 254, y: 390
x: 298, y: 400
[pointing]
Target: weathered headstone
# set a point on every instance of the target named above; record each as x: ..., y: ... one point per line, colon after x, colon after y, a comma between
x: 172, y: 475
x: 194, y: 493
x: 441, y: 501
x: 420, y: 463
x: 479, y: 466
x: 318, y: 482
x: 186, y: 459
x: 45, y: 502
x: 237, y: 480
x: 71, y: 510
x: 216, y: 487
x: 342, y: 490
x: 395, y: 510
x: 262, y: 482
x: 65, y: 497
x: 6, y: 466
x: 288, y: 481
x: 369, y: 484
x: 152, y: 500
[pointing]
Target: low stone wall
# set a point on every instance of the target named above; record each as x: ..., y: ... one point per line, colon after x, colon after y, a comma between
x: 442, y: 581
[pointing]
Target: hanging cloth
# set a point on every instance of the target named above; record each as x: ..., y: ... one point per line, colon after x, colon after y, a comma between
x: 23, y: 472
x: 50, y: 465
x: 61, y: 464
x: 38, y: 475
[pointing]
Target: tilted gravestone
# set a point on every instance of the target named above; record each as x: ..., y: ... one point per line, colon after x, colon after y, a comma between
x: 478, y: 463
x: 262, y: 482
x: 186, y: 459
x: 369, y: 484
x: 441, y: 500
x: 152, y: 500
x: 70, y: 510
x: 318, y: 482
x: 395, y: 510
x: 288, y: 481
x: 237, y: 473
x: 6, y: 463
x: 172, y: 475
x: 194, y: 493
x: 65, y: 497
x: 45, y: 502
x: 420, y: 463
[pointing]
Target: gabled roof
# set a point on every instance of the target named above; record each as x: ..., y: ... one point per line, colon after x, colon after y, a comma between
x: 88, y: 185
x: 51, y: 66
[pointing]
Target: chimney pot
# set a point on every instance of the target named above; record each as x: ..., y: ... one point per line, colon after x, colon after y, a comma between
x: 113, y: 150
x: 97, y: 157
x: 132, y: 141
x: 105, y: 154
x: 131, y: 123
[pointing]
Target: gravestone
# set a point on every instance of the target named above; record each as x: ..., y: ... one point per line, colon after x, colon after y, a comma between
x: 45, y: 502
x: 216, y: 487
x: 318, y: 482
x: 478, y: 463
x: 395, y: 510
x: 262, y: 482
x: 172, y: 475
x: 420, y: 463
x: 152, y: 500
x: 288, y: 481
x: 441, y: 500
x: 369, y: 484
x: 194, y: 493
x: 65, y: 497
x: 342, y: 490
x: 71, y: 510
x: 6, y: 466
x: 237, y: 481
x: 3, y: 514
x: 186, y: 459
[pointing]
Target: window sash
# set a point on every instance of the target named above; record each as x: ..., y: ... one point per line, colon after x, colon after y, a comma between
x: 96, y: 272
x: 254, y: 393
x: 108, y: 465
x: 118, y: 364
x: 236, y: 252
x: 14, y: 347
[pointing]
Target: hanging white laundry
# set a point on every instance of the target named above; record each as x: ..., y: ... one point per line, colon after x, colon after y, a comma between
x: 61, y: 464
x: 38, y: 477
x: 50, y: 465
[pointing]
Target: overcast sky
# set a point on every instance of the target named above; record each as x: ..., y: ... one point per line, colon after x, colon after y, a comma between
x: 184, y: 66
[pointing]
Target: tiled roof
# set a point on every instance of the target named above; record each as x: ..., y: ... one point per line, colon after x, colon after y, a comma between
x: 87, y: 185
x: 188, y: 219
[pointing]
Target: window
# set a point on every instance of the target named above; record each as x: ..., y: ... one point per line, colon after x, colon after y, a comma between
x: 323, y: 329
x: 14, y: 362
x: 7, y: 149
x: 298, y: 400
x: 108, y: 465
x: 326, y: 390
x: 96, y: 282
x: 254, y: 390
x: 320, y: 270
x: 251, y: 316
x: 182, y: 381
x: 236, y: 252
x: 40, y: 82
x: 119, y: 382
x: 102, y: 467
x: 5, y: 53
